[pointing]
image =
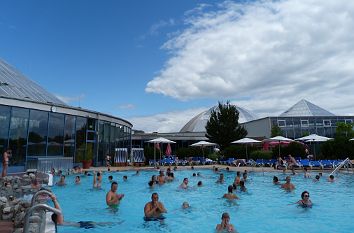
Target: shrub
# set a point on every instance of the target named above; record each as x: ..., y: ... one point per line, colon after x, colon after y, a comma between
x: 261, y: 154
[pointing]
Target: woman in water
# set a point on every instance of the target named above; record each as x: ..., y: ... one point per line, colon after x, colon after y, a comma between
x: 305, y: 200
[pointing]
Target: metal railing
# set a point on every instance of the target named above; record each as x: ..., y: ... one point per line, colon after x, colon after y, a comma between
x: 37, y: 207
x: 45, y: 164
x: 34, y: 197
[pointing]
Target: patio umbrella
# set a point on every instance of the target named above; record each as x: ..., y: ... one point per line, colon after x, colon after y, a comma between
x: 203, y: 144
x: 314, y: 138
x: 158, y: 141
x: 351, y: 139
x: 246, y: 141
x: 279, y: 139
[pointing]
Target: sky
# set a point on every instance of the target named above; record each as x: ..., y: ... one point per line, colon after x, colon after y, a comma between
x: 159, y: 63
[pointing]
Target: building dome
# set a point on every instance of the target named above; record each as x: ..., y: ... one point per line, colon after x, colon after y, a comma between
x: 198, y: 123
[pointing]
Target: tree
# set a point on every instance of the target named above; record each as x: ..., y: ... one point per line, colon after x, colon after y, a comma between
x: 222, y: 127
x: 276, y: 131
x: 344, y: 130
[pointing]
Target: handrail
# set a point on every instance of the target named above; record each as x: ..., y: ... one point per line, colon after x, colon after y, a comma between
x: 340, y: 166
x: 38, y: 193
x: 37, y: 207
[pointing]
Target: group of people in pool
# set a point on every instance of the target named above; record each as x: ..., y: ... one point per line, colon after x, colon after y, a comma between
x: 155, y: 209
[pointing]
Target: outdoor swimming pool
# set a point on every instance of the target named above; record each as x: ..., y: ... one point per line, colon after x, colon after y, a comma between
x: 265, y: 208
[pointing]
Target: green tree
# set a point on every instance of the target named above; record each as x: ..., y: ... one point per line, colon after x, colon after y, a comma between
x: 344, y: 130
x: 222, y: 127
x: 276, y: 131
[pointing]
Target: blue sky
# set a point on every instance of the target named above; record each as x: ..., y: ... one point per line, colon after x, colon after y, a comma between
x: 158, y: 63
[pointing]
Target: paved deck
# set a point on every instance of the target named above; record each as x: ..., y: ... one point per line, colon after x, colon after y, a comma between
x: 6, y: 226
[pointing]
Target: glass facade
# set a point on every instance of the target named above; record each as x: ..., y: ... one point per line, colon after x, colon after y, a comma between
x: 34, y: 133
x: 296, y: 127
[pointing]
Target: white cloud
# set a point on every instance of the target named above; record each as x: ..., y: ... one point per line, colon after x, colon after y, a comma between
x: 127, y: 106
x: 266, y: 54
x: 165, y: 122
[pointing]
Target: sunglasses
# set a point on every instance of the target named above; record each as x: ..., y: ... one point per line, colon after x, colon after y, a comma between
x: 306, y: 195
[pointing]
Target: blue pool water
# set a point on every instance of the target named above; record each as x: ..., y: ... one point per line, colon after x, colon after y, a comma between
x: 265, y: 208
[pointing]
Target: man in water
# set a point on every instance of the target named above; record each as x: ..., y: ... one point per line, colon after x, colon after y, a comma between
x: 288, y: 185
x: 5, y: 162
x: 225, y: 225
x: 161, y: 178
x: 112, y: 198
x: 184, y: 184
x: 230, y: 195
x: 61, y: 182
x: 154, y: 208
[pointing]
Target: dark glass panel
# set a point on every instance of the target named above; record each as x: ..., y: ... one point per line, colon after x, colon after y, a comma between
x: 18, y: 135
x: 80, y: 154
x: 38, y: 131
x: 4, y: 126
x: 69, y: 136
x: 55, y: 134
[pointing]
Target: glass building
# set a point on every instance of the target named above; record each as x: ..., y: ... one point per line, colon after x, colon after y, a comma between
x: 37, y: 125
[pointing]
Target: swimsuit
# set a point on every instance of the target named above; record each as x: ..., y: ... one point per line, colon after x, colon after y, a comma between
x: 86, y: 224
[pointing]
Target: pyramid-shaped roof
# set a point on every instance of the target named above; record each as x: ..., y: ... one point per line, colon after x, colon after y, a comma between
x: 13, y: 84
x: 305, y: 108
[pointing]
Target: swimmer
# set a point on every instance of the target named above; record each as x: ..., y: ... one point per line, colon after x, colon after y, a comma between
x: 184, y: 184
x: 161, y: 178
x: 306, y: 173
x: 229, y: 195
x: 305, y: 200
x: 137, y: 172
x: 192, y: 167
x: 331, y: 178
x: 275, y: 180
x: 112, y: 198
x: 125, y: 178
x: 227, y: 169
x: 242, y: 186
x: 175, y: 168
x: 221, y: 179
x: 244, y: 176
x: 77, y: 180
x: 317, y: 178
x: 237, y: 178
x: 194, y: 174
x: 225, y: 225
x: 288, y: 185
x: 61, y: 182
x: 35, y: 184
x: 185, y: 205
x: 200, y: 184
x: 110, y: 179
x: 170, y: 177
x: 293, y: 171
x: 154, y: 208
x: 97, y: 180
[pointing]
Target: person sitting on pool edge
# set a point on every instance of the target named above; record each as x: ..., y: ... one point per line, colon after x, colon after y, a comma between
x: 112, y: 198
x: 225, y: 225
x: 229, y: 195
x: 305, y: 200
x: 154, y: 208
x: 288, y: 185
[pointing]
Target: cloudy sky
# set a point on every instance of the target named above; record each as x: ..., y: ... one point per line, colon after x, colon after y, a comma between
x: 160, y: 64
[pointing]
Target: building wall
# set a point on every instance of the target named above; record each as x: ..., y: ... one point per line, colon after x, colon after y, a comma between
x: 260, y: 128
x: 38, y: 132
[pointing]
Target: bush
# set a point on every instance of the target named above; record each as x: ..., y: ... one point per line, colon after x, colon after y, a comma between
x: 295, y: 149
x: 261, y: 154
x: 191, y: 152
x: 238, y: 151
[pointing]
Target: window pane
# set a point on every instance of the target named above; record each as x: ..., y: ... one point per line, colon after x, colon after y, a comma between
x: 55, y: 134
x: 69, y: 136
x: 80, y: 139
x: 4, y: 126
x: 38, y: 131
x: 18, y: 135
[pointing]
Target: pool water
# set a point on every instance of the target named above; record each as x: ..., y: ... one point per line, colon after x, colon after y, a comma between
x: 264, y: 208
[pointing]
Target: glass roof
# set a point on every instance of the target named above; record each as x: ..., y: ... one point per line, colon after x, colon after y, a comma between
x: 13, y: 84
x: 305, y: 108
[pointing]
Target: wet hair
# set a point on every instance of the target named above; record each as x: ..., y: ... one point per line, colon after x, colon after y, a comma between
x: 317, y: 177
x: 242, y: 183
x: 275, y: 179
x: 230, y: 188
x: 225, y: 215
x: 113, y: 183
x: 185, y: 179
x: 98, y: 174
x: 151, y: 183
x: 234, y: 186
x: 154, y: 194
x: 200, y: 183
x: 303, y: 194
x: 244, y: 174
x: 198, y: 173
x: 78, y: 177
x: 227, y: 168
x: 238, y: 173
x: 194, y: 174
x: 192, y: 168
x: 63, y: 176
x: 125, y: 177
x: 331, y: 176
x: 110, y: 177
x: 109, y: 169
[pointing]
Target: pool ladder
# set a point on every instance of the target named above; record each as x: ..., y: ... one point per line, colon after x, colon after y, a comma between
x: 342, y: 164
x: 38, y: 207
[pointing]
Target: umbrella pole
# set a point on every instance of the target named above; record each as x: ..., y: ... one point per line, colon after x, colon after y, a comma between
x: 160, y: 153
x: 154, y: 155
x: 279, y: 149
x: 246, y: 153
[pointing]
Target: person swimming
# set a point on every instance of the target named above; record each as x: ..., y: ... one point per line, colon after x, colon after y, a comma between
x: 288, y: 185
x: 242, y: 186
x: 154, y: 209
x: 225, y: 225
x: 237, y: 178
x: 97, y: 180
x: 184, y: 184
x: 77, y: 180
x: 275, y: 180
x: 305, y: 200
x: 185, y: 205
x: 230, y: 195
x: 61, y: 182
x: 112, y: 198
x: 221, y: 179
x: 331, y: 178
